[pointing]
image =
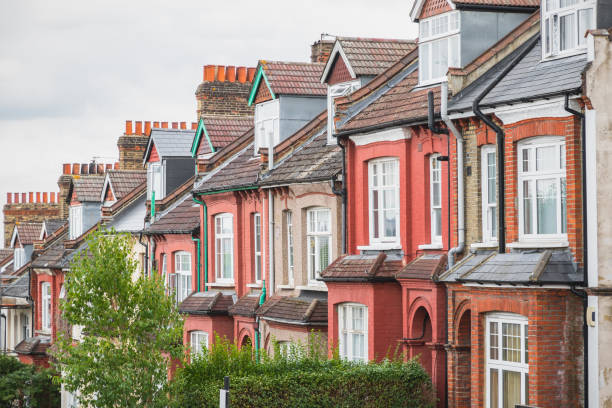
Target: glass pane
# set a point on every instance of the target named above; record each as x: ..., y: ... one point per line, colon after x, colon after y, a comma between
x: 527, y: 208
x: 546, y: 158
x: 389, y: 173
x: 493, y: 341
x: 375, y: 174
x: 424, y: 26
x: 526, y: 388
x: 424, y: 62
x: 390, y: 223
x: 312, y: 251
x: 567, y: 28
x: 494, y: 388
x: 493, y: 221
x: 547, y: 38
x: 525, y: 160
x: 547, y: 206
x: 440, y: 58
x: 323, y: 253
x: 323, y: 220
x: 511, y: 342
x: 436, y: 194
x: 375, y: 226
x: 511, y: 388
x: 526, y: 344
x: 358, y: 346
x: 585, y: 22
x: 438, y: 222
x: 357, y: 318
x: 563, y: 206
x: 567, y: 3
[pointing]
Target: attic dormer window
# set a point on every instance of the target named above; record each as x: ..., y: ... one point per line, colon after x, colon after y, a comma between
x: 439, y: 46
x: 76, y: 221
x: 19, y: 257
x: 267, y: 128
x: 564, y: 25
x: 155, y: 181
x: 333, y: 92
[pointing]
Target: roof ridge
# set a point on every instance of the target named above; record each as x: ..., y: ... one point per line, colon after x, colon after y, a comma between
x: 376, y: 39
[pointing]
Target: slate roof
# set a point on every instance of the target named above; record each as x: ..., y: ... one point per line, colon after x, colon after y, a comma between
x: 424, y: 267
x: 223, y: 130
x: 530, y: 79
x: 5, y: 253
x: 465, y: 265
x: 297, y: 310
x: 171, y: 142
x: 314, y: 160
x: 34, y: 345
x: 20, y: 288
x: 52, y: 256
x: 246, y: 305
x: 362, y: 268
x: 242, y: 170
x: 184, y: 218
x: 28, y: 232
x: 53, y: 225
x: 294, y: 78
x: 124, y: 181
x: 208, y: 303
x: 89, y: 188
x: 372, y: 56
x: 525, y: 268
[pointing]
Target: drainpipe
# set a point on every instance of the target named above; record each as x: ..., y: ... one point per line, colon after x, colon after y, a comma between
x: 582, y: 294
x: 501, y: 236
x: 262, y: 299
x: 205, y: 243
x: 2, y: 316
x: 197, y: 241
x: 460, y: 182
x: 342, y: 193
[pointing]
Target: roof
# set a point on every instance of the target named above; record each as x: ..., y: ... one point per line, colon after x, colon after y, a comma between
x: 525, y: 268
x: 170, y: 142
x: 369, y: 56
x: 20, y: 288
x: 220, y: 131
x: 5, y: 253
x: 208, y: 303
x: 183, y: 218
x: 314, y: 160
x: 28, y: 232
x: 34, y: 345
x: 124, y: 181
x: 89, y: 188
x: 246, y: 305
x: 465, y: 265
x: 362, y: 268
x: 242, y: 170
x: 296, y: 310
x: 51, y: 257
x: 424, y: 267
x: 290, y: 78
x: 530, y: 79
x: 53, y: 225
x: 529, y: 4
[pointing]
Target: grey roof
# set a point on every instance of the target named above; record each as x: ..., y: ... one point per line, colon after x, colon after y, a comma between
x: 526, y: 268
x: 171, y: 142
x: 465, y: 265
x: 530, y: 79
x: 19, y: 288
x: 89, y: 188
x: 183, y: 218
x: 52, y: 256
x: 53, y: 225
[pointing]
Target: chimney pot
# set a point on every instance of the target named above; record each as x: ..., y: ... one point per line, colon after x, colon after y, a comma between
x: 138, y: 128
x: 116, y: 166
x: 109, y: 166
x: 230, y: 73
x: 174, y: 125
x: 30, y: 198
x: 156, y: 124
x: 147, y: 128
x: 52, y: 198
x: 23, y: 198
x: 194, y: 125
x: 92, y: 168
x: 9, y: 198
x: 38, y: 196
x: 84, y: 168
x: 100, y: 168
x: 16, y: 196
x: 45, y: 197
x: 209, y: 73
x: 220, y: 73
x: 128, y: 127
x: 183, y: 125
x: 242, y: 74
x: 76, y: 168
x: 66, y: 169
x: 164, y: 125
x: 251, y: 72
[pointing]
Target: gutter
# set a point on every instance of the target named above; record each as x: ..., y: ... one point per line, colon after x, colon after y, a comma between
x: 205, y: 227
x: 501, y: 208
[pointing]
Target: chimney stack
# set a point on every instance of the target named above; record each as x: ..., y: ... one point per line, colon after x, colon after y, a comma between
x: 321, y: 50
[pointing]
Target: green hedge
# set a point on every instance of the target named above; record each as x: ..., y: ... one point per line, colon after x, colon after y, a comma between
x: 300, y: 380
x: 23, y: 385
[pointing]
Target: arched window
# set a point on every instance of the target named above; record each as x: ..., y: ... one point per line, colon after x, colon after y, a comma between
x: 353, y: 331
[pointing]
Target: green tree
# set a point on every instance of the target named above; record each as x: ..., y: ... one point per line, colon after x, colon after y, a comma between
x: 24, y: 385
x: 132, y: 331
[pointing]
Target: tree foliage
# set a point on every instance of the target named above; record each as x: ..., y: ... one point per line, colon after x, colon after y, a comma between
x: 131, y: 329
x: 24, y: 385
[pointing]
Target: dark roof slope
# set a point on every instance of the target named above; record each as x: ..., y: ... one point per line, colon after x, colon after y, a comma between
x: 20, y: 288
x: 124, y: 181
x: 33, y: 345
x: 372, y: 56
x: 362, y: 268
x: 89, y: 188
x: 294, y: 78
x: 207, y: 303
x: 184, y: 218
x: 297, y: 310
x: 222, y: 130
x: 171, y: 142
x: 52, y: 256
x: 529, y: 4
x: 5, y: 253
x: 53, y: 225
x: 28, y: 232
x: 246, y: 305
x: 424, y: 267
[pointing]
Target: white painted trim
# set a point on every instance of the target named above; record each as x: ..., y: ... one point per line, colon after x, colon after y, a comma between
x: 254, y: 285
x: 530, y: 110
x: 14, y: 237
x: 380, y: 246
x: 220, y: 284
x: 593, y: 347
x: 319, y: 287
x: 484, y: 245
x: 430, y: 246
x: 505, y: 286
x: 592, y: 196
x: 330, y: 61
x: 590, y: 42
x: 538, y: 244
x: 387, y: 135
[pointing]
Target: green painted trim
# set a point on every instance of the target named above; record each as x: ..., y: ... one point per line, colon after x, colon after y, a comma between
x: 205, y: 224
x: 229, y: 190
x: 256, y: 81
x: 196, y: 140
x: 153, y: 204
x: 198, y: 264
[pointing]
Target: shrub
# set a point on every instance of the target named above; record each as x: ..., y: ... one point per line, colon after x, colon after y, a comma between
x: 299, y: 379
x: 24, y: 385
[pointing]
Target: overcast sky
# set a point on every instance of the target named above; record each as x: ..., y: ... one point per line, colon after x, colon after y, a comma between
x: 72, y: 72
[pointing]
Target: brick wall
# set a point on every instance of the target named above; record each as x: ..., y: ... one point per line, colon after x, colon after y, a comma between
x: 132, y: 145
x: 225, y: 91
x: 320, y: 50
x: 28, y: 207
x: 339, y: 72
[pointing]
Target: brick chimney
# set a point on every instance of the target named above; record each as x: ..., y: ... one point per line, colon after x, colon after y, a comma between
x: 132, y: 145
x: 224, y: 91
x: 30, y: 207
x: 321, y: 50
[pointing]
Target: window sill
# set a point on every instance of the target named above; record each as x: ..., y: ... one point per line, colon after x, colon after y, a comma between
x: 318, y: 287
x: 285, y: 286
x: 484, y: 245
x: 380, y: 246
x: 221, y: 284
x: 538, y: 244
x: 254, y: 285
x: 431, y: 246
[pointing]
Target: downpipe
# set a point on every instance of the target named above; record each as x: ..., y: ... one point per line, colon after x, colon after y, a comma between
x: 342, y: 193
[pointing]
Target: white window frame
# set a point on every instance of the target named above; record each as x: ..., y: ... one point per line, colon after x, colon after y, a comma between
x: 489, y: 208
x: 183, y: 270
x: 45, y: 294
x: 156, y: 170
x: 500, y: 364
x: 76, y: 221
x: 533, y: 177
x: 198, y: 341
x: 290, y: 250
x: 552, y: 12
x: 219, y: 255
x: 314, y: 238
x: 433, y: 33
x: 435, y: 238
x: 267, y: 124
x: 376, y: 186
x: 164, y: 270
x: 19, y: 258
x: 335, y: 91
x: 347, y: 332
x: 257, y: 245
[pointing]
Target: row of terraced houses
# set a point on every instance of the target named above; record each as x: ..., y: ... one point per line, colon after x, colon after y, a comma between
x: 444, y: 197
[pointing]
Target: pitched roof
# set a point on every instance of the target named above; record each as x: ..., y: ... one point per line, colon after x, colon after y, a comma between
x: 89, y: 188
x: 362, y: 268
x: 5, y: 253
x: 20, y: 288
x: 529, y: 4
x: 424, y: 267
x: 291, y: 78
x: 53, y: 225
x: 51, y: 257
x: 170, y: 142
x: 124, y: 181
x: 465, y: 265
x: 246, y: 305
x: 297, y: 310
x: 183, y: 218
x: 34, y: 345
x: 208, y: 303
x: 221, y: 131
x: 28, y: 232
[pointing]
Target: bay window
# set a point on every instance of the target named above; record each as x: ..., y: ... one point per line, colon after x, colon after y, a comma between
x: 353, y: 331
x: 564, y: 25
x: 384, y: 200
x: 541, y: 187
x: 45, y: 292
x: 507, y: 362
x: 319, y: 242
x: 75, y: 221
x: 224, y: 247
x: 267, y: 124
x: 182, y: 268
x: 489, y: 193
x: 333, y: 92
x: 198, y: 341
x: 439, y: 46
x: 435, y: 198
x: 289, y: 221
x: 257, y: 246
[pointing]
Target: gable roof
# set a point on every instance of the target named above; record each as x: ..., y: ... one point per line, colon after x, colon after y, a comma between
x: 417, y: 6
x: 216, y: 132
x: 170, y: 143
x: 89, y: 189
x: 51, y: 225
x: 19, y: 288
x: 51, y: 257
x: 122, y: 182
x: 367, y: 56
x: 27, y: 232
x: 289, y: 78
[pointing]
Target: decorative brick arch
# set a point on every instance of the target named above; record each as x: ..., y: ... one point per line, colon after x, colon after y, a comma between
x: 413, y: 309
x: 460, y: 310
x: 244, y: 336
